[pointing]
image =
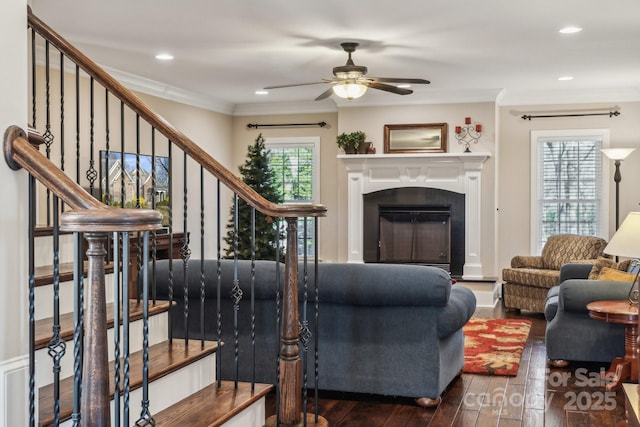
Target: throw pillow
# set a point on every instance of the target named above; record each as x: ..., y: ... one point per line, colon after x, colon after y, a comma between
x: 614, y: 275
x: 600, y: 263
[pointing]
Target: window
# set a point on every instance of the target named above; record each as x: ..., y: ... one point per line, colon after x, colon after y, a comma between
x: 296, y: 164
x: 567, y: 186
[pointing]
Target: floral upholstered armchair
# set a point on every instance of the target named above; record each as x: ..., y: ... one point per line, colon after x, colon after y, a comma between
x: 529, y: 279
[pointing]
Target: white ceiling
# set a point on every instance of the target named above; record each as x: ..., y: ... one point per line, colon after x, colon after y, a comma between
x: 470, y: 50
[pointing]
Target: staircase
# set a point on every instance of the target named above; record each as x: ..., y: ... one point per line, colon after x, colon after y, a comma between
x: 101, y: 346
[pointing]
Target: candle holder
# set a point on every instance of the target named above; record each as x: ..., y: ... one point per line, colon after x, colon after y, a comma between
x: 468, y: 134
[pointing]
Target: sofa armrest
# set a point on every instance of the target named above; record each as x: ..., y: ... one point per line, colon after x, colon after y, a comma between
x: 461, y: 306
x: 524, y: 261
x: 575, y: 270
x: 575, y: 294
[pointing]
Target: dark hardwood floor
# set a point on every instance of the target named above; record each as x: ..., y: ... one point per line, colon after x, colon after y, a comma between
x: 536, y: 396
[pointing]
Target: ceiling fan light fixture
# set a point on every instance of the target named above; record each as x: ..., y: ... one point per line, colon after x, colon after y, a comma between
x: 349, y: 90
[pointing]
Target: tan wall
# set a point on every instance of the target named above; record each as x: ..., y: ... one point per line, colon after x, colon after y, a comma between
x: 514, y: 171
x: 243, y: 137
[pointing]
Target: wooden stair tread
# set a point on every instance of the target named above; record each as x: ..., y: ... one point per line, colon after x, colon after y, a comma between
x: 212, y: 406
x: 164, y: 358
x: 44, y: 326
x: 43, y: 275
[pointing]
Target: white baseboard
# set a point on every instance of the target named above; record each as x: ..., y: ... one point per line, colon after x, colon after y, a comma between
x: 486, y: 293
x: 14, y: 392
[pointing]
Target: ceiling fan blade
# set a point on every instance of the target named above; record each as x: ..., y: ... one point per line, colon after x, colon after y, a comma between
x: 327, y: 93
x: 294, y: 85
x: 398, y: 80
x: 390, y: 88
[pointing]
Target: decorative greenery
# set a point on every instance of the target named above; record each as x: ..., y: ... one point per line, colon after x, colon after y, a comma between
x: 257, y: 174
x: 350, y: 142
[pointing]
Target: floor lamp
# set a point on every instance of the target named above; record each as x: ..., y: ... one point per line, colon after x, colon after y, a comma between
x: 618, y: 155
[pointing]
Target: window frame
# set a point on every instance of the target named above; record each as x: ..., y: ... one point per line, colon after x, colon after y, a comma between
x: 314, y: 143
x: 540, y: 136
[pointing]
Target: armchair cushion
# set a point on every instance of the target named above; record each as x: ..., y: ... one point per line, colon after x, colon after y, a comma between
x: 616, y: 275
x: 563, y: 248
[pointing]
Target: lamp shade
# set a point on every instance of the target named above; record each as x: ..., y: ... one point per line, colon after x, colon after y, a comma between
x: 617, y: 153
x: 626, y: 241
x: 349, y: 90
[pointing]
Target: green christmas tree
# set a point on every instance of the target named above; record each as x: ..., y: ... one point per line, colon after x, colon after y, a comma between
x: 256, y: 173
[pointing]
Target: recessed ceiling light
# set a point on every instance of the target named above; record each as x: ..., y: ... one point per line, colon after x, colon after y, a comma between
x: 164, y: 56
x: 571, y: 29
x: 565, y: 78
x: 404, y: 86
x: 262, y: 92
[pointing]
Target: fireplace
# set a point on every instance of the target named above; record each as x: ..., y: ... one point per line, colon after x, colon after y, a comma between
x: 415, y: 225
x: 455, y: 173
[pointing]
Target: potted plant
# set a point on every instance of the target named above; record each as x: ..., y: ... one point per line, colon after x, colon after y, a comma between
x: 351, y: 142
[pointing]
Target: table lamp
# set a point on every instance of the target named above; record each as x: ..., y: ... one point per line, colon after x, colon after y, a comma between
x: 626, y: 243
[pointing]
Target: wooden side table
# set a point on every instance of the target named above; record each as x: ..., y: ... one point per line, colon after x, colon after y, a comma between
x: 622, y: 368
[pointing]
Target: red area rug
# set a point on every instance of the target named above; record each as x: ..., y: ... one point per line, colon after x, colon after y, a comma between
x: 494, y: 346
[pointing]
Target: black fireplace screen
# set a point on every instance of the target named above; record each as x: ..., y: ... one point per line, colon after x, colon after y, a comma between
x: 410, y: 235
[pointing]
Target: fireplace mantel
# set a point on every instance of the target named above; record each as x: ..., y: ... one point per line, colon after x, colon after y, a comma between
x: 458, y: 172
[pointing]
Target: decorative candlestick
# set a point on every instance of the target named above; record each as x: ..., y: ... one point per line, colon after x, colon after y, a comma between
x: 468, y: 133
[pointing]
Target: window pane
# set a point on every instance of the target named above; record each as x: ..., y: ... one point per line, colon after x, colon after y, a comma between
x: 570, y: 193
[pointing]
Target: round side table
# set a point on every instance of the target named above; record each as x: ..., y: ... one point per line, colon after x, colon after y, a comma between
x: 622, y: 368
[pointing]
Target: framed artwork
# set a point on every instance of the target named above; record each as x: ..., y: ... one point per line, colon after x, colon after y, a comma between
x: 415, y: 138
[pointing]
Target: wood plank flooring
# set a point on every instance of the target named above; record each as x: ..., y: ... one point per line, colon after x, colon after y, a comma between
x: 536, y: 396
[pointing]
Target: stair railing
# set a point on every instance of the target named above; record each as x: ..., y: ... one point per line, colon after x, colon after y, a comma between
x: 137, y: 118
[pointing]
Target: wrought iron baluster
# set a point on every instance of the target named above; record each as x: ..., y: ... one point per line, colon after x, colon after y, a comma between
x: 202, y: 276
x: 185, y: 252
x: 47, y: 136
x: 77, y: 75
x: 170, y: 210
x: 116, y: 329
x: 126, y: 351
x: 316, y: 330
x: 218, y: 287
x: 236, y: 292
x: 278, y: 324
x: 32, y: 301
x: 146, y: 419
x: 253, y: 298
x: 78, y: 326
x: 91, y: 174
x: 304, y: 331
x: 62, y: 140
x: 56, y: 346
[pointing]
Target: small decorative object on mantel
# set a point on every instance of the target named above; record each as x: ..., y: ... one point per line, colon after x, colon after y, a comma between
x: 468, y: 133
x: 353, y: 143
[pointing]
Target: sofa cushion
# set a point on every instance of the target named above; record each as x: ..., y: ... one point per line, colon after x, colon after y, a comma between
x: 531, y: 277
x: 563, y: 248
x: 600, y: 263
x: 616, y: 275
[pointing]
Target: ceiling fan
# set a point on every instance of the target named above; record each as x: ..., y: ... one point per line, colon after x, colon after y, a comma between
x: 350, y: 81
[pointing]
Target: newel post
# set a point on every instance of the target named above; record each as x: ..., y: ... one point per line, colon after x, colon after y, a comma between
x: 95, y: 378
x: 290, y: 365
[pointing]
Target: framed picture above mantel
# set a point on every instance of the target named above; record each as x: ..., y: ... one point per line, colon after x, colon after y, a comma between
x: 415, y: 138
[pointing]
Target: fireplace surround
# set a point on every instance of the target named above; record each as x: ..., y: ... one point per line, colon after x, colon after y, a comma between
x: 459, y: 173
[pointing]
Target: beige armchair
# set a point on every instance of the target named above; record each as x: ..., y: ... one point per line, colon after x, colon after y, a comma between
x: 529, y: 279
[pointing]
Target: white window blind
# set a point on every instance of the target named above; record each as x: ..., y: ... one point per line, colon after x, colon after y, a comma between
x: 568, y: 185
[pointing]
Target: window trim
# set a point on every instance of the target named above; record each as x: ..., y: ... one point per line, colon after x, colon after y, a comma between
x: 312, y: 141
x: 537, y: 136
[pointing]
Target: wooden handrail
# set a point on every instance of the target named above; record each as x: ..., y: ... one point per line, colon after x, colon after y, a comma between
x: 88, y: 213
x: 165, y: 128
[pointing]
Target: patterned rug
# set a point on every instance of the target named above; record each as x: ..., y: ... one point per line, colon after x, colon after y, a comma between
x: 494, y: 346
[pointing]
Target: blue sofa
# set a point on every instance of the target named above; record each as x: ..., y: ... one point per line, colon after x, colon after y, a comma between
x: 572, y: 335
x: 383, y: 329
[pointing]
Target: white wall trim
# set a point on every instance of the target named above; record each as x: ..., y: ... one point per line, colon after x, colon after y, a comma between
x: 14, y: 392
